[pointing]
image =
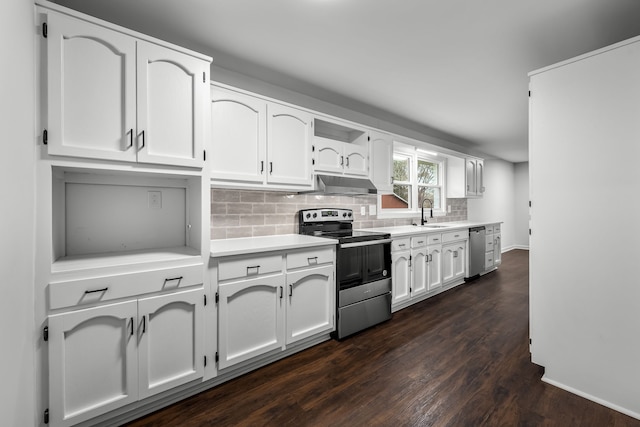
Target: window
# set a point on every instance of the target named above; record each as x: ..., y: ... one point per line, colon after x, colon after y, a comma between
x: 417, y: 178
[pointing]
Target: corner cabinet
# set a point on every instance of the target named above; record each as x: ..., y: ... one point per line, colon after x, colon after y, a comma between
x: 257, y: 143
x: 105, y: 357
x: 112, y: 96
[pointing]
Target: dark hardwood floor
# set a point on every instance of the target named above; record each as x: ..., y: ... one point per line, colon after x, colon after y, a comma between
x: 458, y: 359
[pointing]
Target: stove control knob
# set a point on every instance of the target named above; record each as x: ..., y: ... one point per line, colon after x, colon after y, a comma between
x: 344, y: 214
x: 315, y: 215
x: 308, y: 215
x: 350, y: 214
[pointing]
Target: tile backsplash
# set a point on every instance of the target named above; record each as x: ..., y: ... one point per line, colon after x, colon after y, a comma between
x: 243, y: 213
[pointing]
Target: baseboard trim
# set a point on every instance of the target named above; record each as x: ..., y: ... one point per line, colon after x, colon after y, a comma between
x: 590, y: 397
x: 512, y: 247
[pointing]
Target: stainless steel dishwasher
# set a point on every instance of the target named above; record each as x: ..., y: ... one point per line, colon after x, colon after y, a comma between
x: 477, y: 248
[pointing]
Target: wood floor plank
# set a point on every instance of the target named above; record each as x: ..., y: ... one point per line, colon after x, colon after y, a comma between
x: 460, y: 358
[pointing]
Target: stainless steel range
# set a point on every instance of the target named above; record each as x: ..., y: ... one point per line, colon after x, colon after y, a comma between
x: 363, y: 268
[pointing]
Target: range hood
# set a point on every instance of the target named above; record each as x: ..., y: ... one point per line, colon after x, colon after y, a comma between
x: 329, y: 184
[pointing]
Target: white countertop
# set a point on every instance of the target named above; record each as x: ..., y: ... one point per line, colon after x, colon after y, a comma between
x: 248, y: 245
x: 408, y: 230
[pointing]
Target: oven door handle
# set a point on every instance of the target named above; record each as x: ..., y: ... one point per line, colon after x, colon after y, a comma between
x: 365, y: 243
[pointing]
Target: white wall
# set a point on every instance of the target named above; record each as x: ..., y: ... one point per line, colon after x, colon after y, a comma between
x: 521, y: 207
x: 17, y: 187
x: 498, y: 201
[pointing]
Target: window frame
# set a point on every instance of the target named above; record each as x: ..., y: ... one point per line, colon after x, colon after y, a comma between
x: 414, y: 155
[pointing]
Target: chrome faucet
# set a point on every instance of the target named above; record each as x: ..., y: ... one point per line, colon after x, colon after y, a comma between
x: 422, y: 221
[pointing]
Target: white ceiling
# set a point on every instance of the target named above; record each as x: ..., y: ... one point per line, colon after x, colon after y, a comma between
x: 457, y: 68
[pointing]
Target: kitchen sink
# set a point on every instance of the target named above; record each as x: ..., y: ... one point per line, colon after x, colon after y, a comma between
x: 433, y: 226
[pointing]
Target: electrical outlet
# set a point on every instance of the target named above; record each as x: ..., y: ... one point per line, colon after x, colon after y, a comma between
x: 155, y: 199
x: 372, y: 209
x: 449, y: 208
x: 363, y: 210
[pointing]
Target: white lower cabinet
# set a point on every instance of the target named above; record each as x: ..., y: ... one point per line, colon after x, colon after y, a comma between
x: 251, y: 318
x: 400, y: 277
x: 416, y: 272
x: 454, y: 261
x: 105, y: 357
x: 310, y: 303
x: 261, y: 313
x: 434, y: 267
x: 419, y: 271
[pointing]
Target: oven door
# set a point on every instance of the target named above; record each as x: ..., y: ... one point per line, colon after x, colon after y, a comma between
x: 363, y: 262
x: 377, y: 262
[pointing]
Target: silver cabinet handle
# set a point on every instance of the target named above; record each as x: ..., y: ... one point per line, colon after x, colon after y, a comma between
x: 313, y: 260
x: 281, y: 292
x: 290, y: 290
x: 341, y: 160
x: 455, y: 254
x: 252, y: 269
x: 347, y: 161
x: 172, y: 279
x: 261, y: 167
x: 130, y: 138
x: 270, y: 168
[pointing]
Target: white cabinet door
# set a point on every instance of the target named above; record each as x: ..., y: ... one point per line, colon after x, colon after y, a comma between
x: 400, y: 277
x: 497, y: 249
x: 310, y: 303
x: 418, y: 271
x: 288, y: 146
x: 434, y: 267
x: 381, y: 162
x: 251, y: 319
x: 355, y: 160
x: 459, y: 260
x: 91, y: 106
x: 329, y: 156
x: 479, y: 177
x: 238, y: 136
x: 171, y: 88
x: 171, y: 341
x: 471, y: 173
x: 454, y: 261
x: 93, y: 364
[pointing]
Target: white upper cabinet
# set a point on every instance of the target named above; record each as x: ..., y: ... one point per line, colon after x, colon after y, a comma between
x: 474, y: 175
x: 238, y: 134
x: 465, y: 177
x: 340, y: 149
x: 114, y: 97
x: 381, y: 162
x: 91, y: 80
x: 288, y: 146
x: 257, y: 143
x: 171, y: 94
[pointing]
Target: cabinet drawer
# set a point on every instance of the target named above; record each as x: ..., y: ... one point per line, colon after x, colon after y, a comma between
x: 452, y: 236
x: 488, y: 229
x: 488, y: 260
x: 496, y: 228
x: 309, y: 258
x: 418, y: 241
x: 400, y: 244
x: 100, y: 289
x: 489, y: 243
x: 239, y: 267
x: 434, y: 239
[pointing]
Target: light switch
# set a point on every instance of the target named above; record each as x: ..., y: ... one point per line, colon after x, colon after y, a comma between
x: 363, y: 210
x: 372, y: 210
